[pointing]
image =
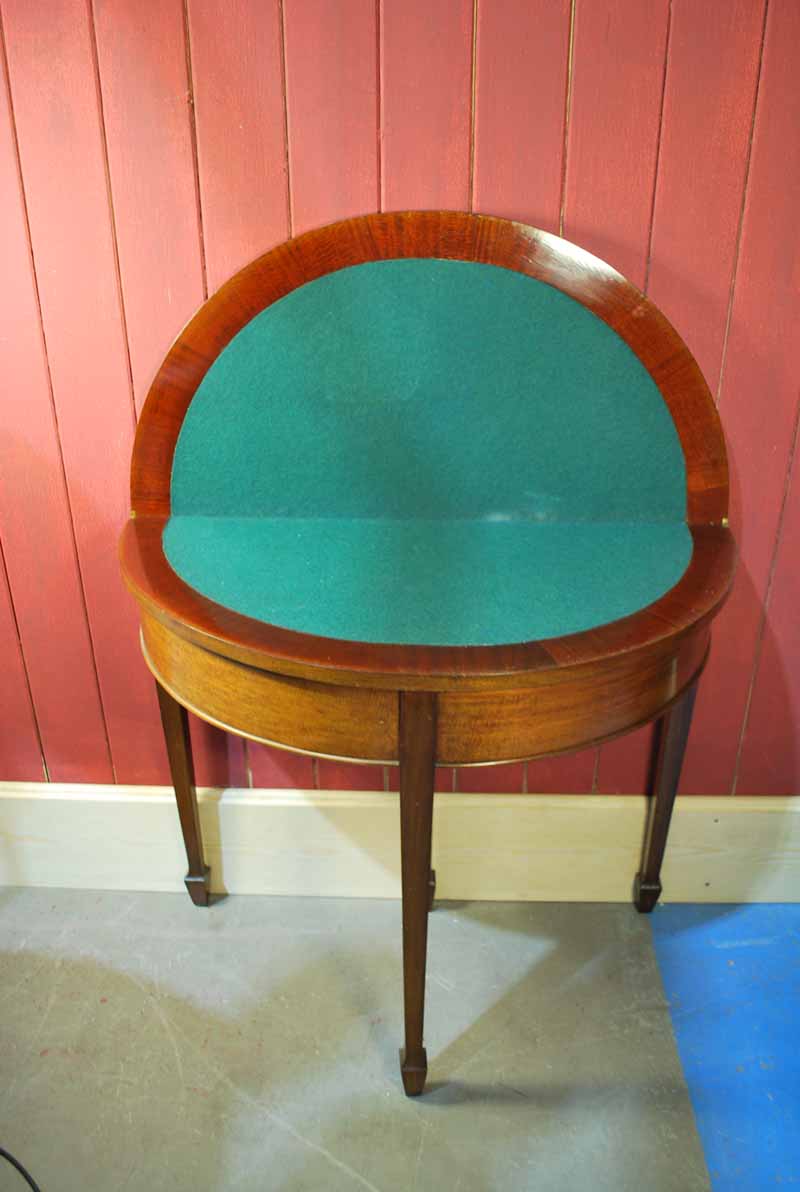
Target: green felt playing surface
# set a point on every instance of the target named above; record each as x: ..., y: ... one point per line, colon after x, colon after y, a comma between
x: 438, y: 582
x: 433, y: 452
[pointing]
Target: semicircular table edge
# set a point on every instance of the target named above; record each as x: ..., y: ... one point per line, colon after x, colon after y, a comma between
x: 419, y: 703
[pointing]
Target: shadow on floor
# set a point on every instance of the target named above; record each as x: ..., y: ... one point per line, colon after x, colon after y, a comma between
x: 254, y: 1046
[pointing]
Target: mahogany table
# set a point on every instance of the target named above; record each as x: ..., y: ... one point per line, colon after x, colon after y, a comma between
x: 428, y: 488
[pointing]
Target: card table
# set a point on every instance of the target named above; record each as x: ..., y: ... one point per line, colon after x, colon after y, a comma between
x: 428, y: 488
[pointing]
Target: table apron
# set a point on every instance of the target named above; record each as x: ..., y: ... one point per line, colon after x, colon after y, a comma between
x: 565, y: 709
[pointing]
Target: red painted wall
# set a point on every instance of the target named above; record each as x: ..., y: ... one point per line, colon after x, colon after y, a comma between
x: 149, y: 149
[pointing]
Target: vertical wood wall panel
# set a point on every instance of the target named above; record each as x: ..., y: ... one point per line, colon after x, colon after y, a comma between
x: 347, y: 776
x: 520, y: 90
x: 237, y: 71
x: 618, y: 68
x: 332, y: 106
x: 279, y: 768
x: 624, y: 765
x: 35, y: 523
x: 20, y: 755
x: 228, y: 125
x: 54, y: 89
x: 570, y: 774
x: 141, y: 46
x: 770, y: 760
x: 619, y: 52
x: 759, y: 405
x: 236, y: 54
x: 219, y: 757
x: 507, y: 779
x: 709, y: 102
x: 709, y: 93
x: 426, y: 103
x: 708, y: 106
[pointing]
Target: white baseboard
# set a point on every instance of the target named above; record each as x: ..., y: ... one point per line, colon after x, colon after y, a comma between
x: 346, y: 844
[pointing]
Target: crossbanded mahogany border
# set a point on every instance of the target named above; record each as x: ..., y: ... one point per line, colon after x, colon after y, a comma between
x: 450, y: 236
x: 684, y: 609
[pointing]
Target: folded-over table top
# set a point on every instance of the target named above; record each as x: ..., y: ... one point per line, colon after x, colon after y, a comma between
x: 431, y: 452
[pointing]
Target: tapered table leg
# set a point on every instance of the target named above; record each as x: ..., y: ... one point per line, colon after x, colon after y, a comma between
x: 175, y: 721
x: 417, y: 761
x: 673, y: 733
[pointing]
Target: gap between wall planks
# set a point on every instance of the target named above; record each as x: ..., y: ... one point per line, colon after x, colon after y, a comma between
x: 709, y: 100
x: 769, y: 762
x: 426, y: 88
x: 143, y: 73
x: 237, y: 66
x: 144, y: 86
x: 520, y: 88
x: 421, y: 78
x: 249, y: 178
x: 762, y: 367
x: 331, y: 102
x: 36, y: 524
x: 19, y: 737
x: 332, y: 99
x: 59, y: 127
x: 619, y: 65
x: 619, y: 60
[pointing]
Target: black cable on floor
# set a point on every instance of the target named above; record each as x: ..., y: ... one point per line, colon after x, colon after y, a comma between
x: 31, y: 1182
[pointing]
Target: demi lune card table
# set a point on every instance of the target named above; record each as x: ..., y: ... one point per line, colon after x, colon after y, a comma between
x: 428, y: 488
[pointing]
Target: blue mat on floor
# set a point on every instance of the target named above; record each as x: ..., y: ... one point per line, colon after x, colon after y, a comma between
x: 732, y: 978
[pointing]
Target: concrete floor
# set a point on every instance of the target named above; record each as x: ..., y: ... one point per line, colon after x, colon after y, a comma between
x: 146, y: 1044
